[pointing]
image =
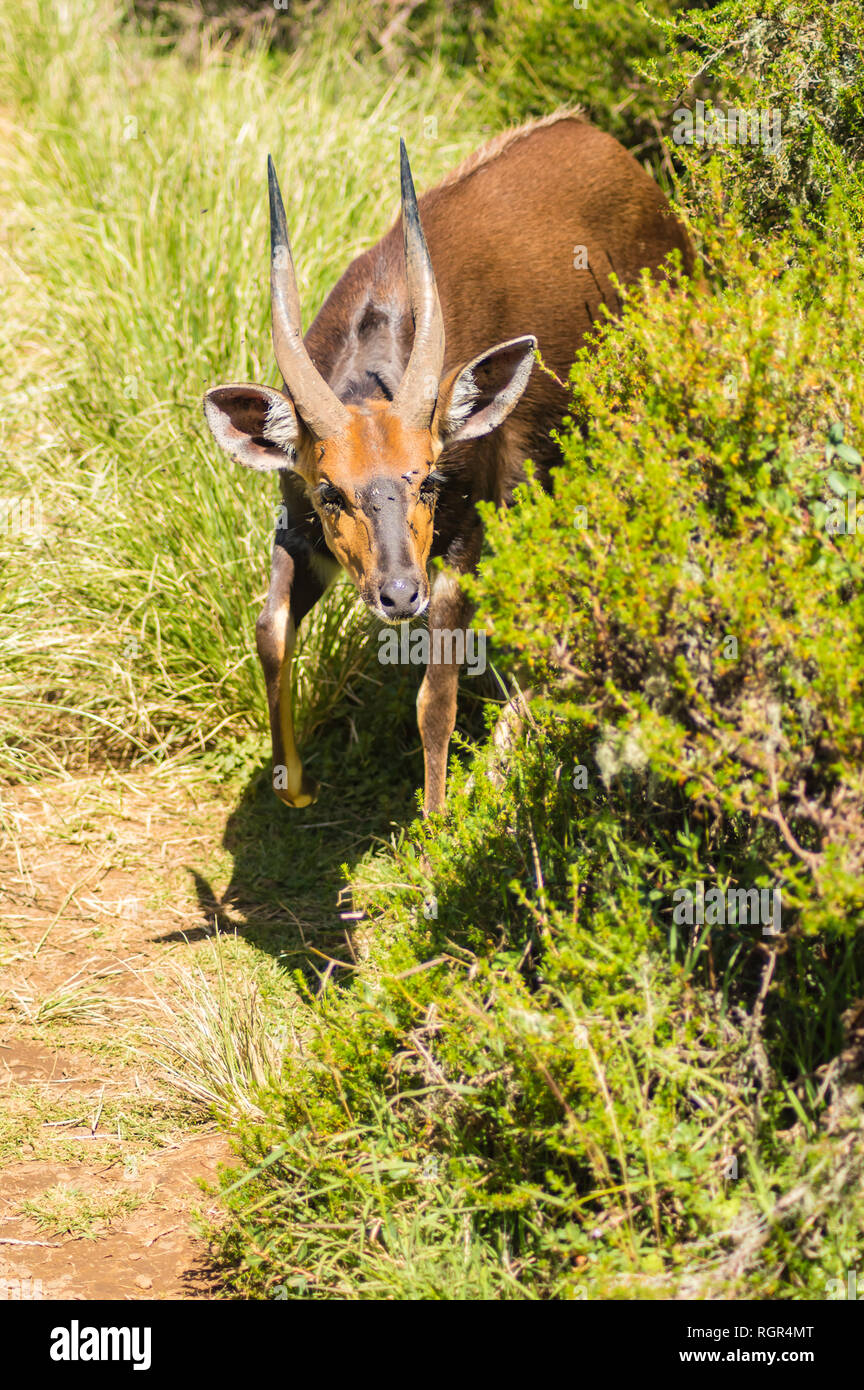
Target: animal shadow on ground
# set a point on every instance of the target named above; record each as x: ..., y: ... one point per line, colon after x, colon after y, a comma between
x: 288, y: 892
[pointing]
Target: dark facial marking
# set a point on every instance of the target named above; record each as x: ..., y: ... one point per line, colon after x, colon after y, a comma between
x: 385, y: 504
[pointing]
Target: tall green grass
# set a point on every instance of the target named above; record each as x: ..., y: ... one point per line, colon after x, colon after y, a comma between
x: 134, y: 267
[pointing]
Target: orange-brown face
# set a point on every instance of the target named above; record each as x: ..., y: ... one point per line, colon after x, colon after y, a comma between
x: 374, y: 490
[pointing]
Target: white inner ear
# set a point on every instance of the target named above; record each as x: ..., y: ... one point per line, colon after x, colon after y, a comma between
x: 280, y: 426
x: 462, y: 400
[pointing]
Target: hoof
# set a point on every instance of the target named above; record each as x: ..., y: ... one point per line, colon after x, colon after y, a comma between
x: 306, y: 795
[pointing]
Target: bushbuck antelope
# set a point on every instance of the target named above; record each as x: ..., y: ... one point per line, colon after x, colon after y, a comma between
x: 412, y: 396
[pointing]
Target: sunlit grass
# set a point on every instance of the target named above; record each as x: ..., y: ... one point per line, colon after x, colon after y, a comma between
x: 77, y: 1000
x: 221, y: 1046
x: 72, y: 1211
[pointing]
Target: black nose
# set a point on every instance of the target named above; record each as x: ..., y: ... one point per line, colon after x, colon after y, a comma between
x: 399, y: 597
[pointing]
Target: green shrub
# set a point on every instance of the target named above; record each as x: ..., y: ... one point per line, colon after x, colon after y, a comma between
x: 799, y: 61
x: 687, y: 576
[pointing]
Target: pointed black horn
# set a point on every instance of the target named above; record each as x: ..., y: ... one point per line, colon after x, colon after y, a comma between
x: 415, y: 398
x: 318, y: 406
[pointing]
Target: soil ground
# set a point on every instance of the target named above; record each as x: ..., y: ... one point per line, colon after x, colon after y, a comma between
x: 100, y: 1161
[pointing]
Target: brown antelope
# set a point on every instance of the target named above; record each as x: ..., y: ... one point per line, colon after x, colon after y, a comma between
x: 412, y: 396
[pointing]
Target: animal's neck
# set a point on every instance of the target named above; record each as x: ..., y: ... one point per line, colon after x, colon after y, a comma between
x: 361, y: 338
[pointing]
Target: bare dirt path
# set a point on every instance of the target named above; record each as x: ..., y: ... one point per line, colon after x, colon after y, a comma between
x: 100, y: 1160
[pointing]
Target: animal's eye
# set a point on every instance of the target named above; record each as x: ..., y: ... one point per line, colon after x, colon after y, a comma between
x: 330, y: 496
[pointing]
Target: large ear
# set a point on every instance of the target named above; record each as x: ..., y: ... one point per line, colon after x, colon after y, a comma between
x: 474, y: 399
x: 256, y: 425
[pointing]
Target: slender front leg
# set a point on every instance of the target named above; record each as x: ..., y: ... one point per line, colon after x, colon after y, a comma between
x: 294, y: 589
x: 450, y: 610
